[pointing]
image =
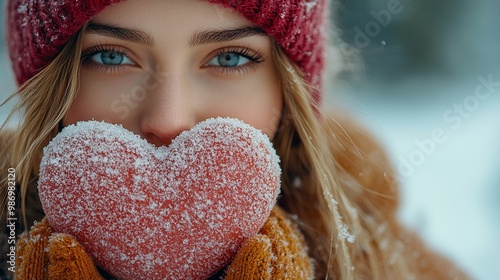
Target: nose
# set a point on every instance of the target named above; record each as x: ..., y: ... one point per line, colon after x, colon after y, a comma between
x: 169, y: 110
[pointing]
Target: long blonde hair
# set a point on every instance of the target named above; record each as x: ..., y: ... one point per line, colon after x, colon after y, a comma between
x: 345, y: 223
x: 43, y: 102
x: 314, y: 188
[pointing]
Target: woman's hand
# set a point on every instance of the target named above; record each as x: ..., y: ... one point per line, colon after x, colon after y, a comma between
x: 43, y: 254
x: 277, y: 252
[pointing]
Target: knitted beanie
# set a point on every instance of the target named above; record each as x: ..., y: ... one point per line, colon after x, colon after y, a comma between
x: 37, y: 30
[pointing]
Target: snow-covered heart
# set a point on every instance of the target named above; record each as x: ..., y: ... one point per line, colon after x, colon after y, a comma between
x: 176, y: 212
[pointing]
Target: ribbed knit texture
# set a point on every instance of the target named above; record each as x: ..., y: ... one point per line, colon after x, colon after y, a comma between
x: 37, y: 30
x: 277, y: 252
x: 44, y: 254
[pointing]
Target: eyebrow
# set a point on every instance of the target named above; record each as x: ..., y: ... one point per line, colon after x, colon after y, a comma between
x: 122, y: 33
x: 224, y: 35
x: 200, y: 38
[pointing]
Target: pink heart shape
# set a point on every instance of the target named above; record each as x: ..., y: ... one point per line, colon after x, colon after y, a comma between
x: 177, y: 212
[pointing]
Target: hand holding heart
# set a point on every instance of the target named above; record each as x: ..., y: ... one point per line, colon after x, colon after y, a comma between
x: 143, y: 212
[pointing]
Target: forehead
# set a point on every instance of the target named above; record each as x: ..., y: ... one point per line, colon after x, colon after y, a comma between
x: 171, y: 15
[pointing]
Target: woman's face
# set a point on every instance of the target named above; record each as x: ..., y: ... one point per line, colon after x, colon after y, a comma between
x: 161, y: 66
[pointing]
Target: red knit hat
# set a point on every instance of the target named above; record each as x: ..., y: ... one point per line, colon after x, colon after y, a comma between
x: 38, y: 30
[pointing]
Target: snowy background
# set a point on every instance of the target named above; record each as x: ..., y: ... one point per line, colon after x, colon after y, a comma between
x: 422, y: 62
x: 417, y: 92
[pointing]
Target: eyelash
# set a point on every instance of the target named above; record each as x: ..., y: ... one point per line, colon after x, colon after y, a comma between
x: 253, y: 57
x: 90, y: 52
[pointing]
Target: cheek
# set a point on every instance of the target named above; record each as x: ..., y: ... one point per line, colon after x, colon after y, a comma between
x: 257, y: 101
x: 269, y: 102
x: 267, y: 110
x: 102, y: 98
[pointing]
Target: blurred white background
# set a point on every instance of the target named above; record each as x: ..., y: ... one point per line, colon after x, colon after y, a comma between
x: 416, y: 91
x: 424, y: 62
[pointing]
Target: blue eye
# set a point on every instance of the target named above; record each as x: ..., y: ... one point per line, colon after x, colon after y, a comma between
x: 111, y: 58
x: 228, y: 60
x: 235, y: 58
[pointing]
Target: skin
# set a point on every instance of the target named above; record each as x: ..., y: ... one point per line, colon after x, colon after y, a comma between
x: 161, y: 74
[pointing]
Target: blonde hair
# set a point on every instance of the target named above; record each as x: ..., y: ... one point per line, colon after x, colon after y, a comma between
x: 314, y: 184
x: 346, y: 228
x: 301, y: 146
x: 43, y: 101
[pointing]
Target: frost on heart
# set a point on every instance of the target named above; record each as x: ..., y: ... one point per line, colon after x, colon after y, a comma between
x: 180, y: 211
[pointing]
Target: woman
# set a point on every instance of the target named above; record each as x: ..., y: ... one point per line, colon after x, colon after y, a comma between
x: 159, y: 68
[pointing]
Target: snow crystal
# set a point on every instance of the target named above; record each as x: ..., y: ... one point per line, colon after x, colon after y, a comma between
x: 22, y: 8
x: 345, y: 235
x: 310, y: 5
x: 343, y: 232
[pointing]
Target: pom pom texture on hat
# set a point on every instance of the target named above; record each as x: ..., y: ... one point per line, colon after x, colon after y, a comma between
x: 39, y: 29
